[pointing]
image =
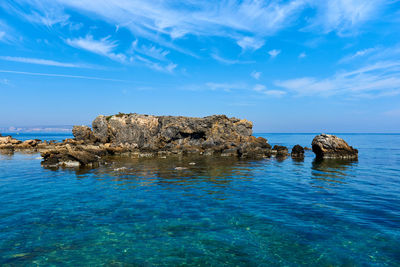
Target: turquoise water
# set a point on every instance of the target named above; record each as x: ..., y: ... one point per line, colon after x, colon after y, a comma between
x: 219, y: 212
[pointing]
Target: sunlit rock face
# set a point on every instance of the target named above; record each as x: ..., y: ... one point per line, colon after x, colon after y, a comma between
x: 217, y: 133
x: 326, y: 146
x: 137, y: 135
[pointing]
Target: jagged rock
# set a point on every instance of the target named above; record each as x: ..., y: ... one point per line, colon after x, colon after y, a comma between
x: 83, y: 133
x: 147, y: 133
x: 69, y: 156
x: 330, y: 146
x: 136, y: 135
x: 297, y: 152
x: 9, y: 140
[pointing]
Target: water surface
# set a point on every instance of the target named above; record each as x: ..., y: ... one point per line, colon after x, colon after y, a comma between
x: 219, y: 212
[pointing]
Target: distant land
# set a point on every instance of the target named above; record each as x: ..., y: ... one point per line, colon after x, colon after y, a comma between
x: 37, y: 129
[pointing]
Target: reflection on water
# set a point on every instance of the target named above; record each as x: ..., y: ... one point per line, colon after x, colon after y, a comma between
x: 331, y: 171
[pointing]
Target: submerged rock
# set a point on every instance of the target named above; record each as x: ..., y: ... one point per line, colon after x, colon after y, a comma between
x: 326, y: 146
x: 297, y: 152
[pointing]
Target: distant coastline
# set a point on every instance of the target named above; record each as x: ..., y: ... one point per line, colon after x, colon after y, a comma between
x: 37, y: 129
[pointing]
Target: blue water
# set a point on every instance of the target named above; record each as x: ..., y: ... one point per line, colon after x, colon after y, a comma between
x: 42, y: 136
x: 219, y: 212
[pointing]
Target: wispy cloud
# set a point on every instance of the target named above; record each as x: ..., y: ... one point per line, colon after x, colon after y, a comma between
x: 376, y: 80
x: 263, y: 90
x: 103, y: 46
x: 46, y: 62
x: 229, y: 61
x: 274, y: 53
x: 343, y: 16
x: 47, y: 13
x: 62, y: 76
x: 357, y: 54
x: 302, y: 55
x: 250, y: 43
x: 169, y: 67
x: 256, y: 75
x: 248, y: 22
x: 150, y: 51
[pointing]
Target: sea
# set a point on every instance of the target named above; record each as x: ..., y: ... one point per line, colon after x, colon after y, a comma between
x: 205, y: 211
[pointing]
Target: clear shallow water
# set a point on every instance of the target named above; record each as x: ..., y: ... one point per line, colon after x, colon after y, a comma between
x: 219, y: 212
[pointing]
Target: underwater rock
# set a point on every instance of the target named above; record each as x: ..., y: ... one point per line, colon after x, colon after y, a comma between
x: 326, y: 146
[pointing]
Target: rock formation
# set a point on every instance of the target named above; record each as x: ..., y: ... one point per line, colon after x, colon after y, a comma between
x: 138, y: 135
x: 327, y: 146
x: 297, y: 152
x: 280, y: 151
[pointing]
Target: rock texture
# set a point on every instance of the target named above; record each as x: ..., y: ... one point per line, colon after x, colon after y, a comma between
x: 329, y: 146
x: 280, y: 151
x: 146, y: 133
x: 297, y: 152
x: 137, y: 135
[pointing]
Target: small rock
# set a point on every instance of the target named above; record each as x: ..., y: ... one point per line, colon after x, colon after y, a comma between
x: 297, y: 152
x: 281, y: 151
x: 327, y: 146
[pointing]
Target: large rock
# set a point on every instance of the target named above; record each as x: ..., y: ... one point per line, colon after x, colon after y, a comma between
x: 326, y: 146
x: 216, y: 133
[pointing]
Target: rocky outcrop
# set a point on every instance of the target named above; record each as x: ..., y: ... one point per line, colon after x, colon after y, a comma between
x: 297, y: 152
x: 326, y: 146
x: 176, y: 134
x: 137, y: 135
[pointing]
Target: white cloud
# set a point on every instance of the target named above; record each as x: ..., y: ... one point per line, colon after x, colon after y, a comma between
x: 164, y: 21
x: 263, y: 90
x: 46, y: 62
x: 302, y: 55
x: 169, y: 67
x: 104, y: 47
x: 247, y: 22
x: 249, y: 43
x: 2, y: 34
x: 150, y: 51
x: 358, y: 54
x: 256, y: 75
x: 47, y: 13
x: 229, y: 61
x: 274, y: 53
x: 343, y: 16
x: 379, y: 79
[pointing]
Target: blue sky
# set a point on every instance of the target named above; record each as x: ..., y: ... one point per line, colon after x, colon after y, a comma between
x: 289, y: 66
